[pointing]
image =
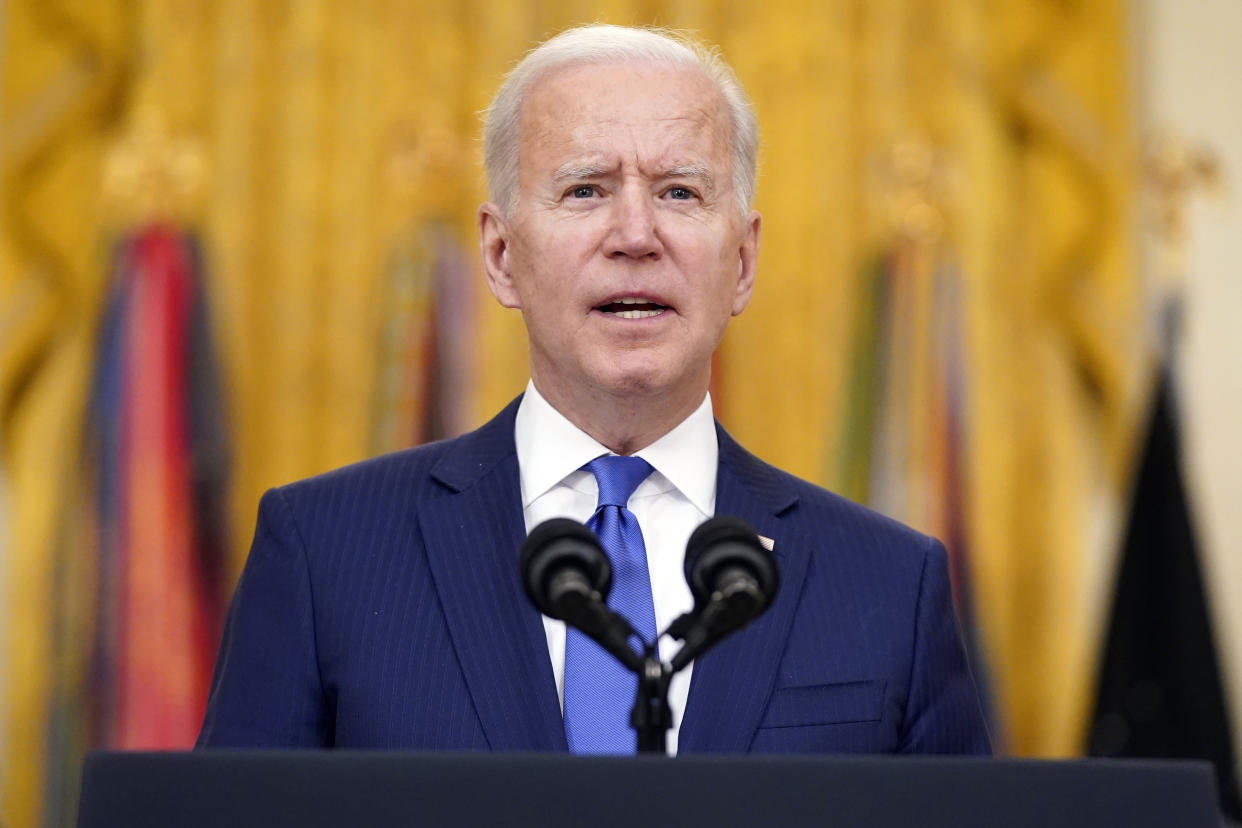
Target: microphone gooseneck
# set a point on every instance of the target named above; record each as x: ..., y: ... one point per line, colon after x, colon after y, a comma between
x: 567, y: 576
x: 732, y: 576
x: 733, y: 579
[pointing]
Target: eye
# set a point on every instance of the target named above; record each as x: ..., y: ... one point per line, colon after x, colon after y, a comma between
x: 583, y: 191
x: 680, y: 193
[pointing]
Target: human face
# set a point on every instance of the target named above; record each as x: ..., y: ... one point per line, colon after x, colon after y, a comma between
x: 626, y: 252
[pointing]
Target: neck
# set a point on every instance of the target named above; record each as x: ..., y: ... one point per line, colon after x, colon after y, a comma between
x: 624, y: 423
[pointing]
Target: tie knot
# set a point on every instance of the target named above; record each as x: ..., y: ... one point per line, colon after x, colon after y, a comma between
x: 617, y: 477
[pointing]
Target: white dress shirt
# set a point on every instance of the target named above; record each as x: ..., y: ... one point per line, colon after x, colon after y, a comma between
x: 670, y: 504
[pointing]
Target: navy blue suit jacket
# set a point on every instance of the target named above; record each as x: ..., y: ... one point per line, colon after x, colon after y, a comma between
x: 381, y: 607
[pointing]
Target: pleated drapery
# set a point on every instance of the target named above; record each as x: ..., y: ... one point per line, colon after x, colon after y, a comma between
x: 325, y: 154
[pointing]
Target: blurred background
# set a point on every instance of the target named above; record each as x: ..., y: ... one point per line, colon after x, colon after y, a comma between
x: 997, y: 299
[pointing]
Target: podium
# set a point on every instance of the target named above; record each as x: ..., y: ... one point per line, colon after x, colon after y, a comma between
x: 342, y: 788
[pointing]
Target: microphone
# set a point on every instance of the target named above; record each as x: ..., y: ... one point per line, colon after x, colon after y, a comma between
x: 567, y: 576
x: 733, y: 579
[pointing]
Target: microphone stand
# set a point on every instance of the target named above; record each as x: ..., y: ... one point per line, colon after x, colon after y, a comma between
x: 567, y: 575
x: 651, y: 716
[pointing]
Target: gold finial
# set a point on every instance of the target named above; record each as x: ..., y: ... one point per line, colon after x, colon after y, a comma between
x: 1173, y: 171
x: 424, y: 162
x: 151, y: 174
x: 913, y: 179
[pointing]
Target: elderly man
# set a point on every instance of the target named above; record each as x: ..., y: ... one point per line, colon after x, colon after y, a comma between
x: 381, y: 604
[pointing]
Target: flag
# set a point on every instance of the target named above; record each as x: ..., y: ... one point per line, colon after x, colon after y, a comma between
x: 1159, y: 690
x: 159, y: 456
x: 426, y: 347
x: 903, y: 446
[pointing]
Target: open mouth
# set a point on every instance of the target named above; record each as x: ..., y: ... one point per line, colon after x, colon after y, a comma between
x: 632, y: 307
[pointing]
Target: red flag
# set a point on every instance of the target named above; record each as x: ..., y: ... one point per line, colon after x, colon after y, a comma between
x: 159, y: 604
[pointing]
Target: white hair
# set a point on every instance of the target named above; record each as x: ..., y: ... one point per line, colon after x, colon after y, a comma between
x: 604, y: 44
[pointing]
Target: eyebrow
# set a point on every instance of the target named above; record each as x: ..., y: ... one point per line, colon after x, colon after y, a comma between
x: 575, y: 170
x: 698, y: 172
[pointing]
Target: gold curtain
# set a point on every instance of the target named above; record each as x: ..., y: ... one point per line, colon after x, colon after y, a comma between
x: 322, y: 129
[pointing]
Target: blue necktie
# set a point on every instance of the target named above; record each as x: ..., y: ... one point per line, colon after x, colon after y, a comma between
x: 599, y: 691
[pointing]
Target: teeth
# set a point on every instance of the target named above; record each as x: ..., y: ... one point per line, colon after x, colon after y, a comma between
x: 643, y: 308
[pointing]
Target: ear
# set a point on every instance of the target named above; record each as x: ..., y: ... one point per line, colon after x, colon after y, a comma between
x: 747, y: 259
x: 494, y: 250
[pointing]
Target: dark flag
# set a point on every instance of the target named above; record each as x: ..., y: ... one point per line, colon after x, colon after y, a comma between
x: 1160, y: 691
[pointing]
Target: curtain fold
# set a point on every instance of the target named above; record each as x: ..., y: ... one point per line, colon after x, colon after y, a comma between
x: 308, y: 142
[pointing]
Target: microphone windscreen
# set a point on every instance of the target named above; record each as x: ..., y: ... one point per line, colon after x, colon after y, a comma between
x: 554, y: 546
x: 727, y: 541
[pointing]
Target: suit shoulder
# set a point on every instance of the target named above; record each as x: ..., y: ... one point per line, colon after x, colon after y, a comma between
x: 407, y: 470
x: 358, y: 505
x: 818, y: 503
x: 816, y: 512
x: 420, y: 471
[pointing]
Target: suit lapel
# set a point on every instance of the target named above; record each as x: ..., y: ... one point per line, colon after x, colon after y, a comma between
x: 731, y: 684
x: 472, y: 535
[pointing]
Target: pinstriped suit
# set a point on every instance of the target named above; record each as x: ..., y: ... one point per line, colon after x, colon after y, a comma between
x: 381, y: 607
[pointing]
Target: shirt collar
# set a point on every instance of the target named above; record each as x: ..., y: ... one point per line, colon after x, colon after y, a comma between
x: 550, y: 448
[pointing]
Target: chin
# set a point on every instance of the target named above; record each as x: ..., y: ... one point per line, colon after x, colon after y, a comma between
x: 639, y: 381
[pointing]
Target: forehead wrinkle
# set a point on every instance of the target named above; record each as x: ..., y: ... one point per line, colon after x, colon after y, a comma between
x: 634, y: 139
x: 556, y: 118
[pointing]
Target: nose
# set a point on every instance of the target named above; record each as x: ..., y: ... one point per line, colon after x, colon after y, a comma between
x: 633, y: 233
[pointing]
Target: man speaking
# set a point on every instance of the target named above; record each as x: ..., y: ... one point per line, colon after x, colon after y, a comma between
x: 381, y: 605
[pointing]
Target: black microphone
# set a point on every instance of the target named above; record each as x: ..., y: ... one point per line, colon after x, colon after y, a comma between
x: 733, y: 579
x: 567, y: 576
